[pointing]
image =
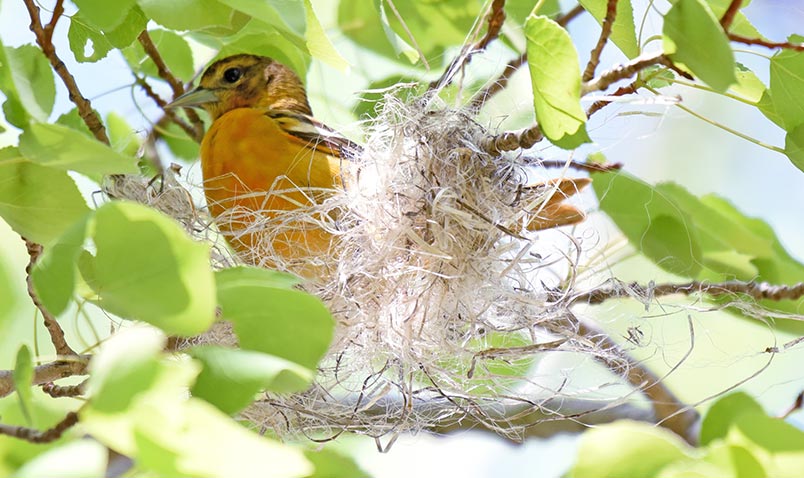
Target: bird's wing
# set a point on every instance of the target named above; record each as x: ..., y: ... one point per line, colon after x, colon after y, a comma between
x: 314, y: 134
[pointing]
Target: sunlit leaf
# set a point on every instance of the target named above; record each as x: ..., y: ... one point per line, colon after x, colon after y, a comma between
x: 794, y: 146
x: 23, y: 379
x: 26, y: 80
x: 329, y: 463
x: 627, y: 448
x: 748, y: 85
x: 623, y: 32
x: 147, y: 268
x: 272, y: 318
x: 129, y: 29
x: 231, y: 377
x: 57, y: 146
x: 318, y: 42
x: 78, y: 459
x: 173, y: 49
x: 87, y: 43
x: 692, y: 35
x: 99, y: 13
x: 39, y: 203
x: 556, y: 79
x: 786, y: 84
x: 187, y: 14
x: 723, y: 413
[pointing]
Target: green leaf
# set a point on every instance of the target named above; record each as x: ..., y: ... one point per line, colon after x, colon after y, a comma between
x: 54, y: 274
x: 692, y: 35
x: 82, y: 37
x: 518, y: 10
x: 78, y: 459
x: 623, y: 32
x: 627, y: 448
x: 26, y: 80
x: 786, y: 84
x: 121, y: 135
x: 289, y: 16
x: 556, y: 79
x: 23, y: 380
x: 147, y: 268
x: 60, y: 147
x: 794, y: 146
x: 187, y: 14
x: 778, y: 445
x: 272, y: 318
x: 748, y: 86
x: 173, y: 49
x: 740, y: 24
x: 318, y: 42
x: 372, y: 96
x: 329, y: 463
x: 129, y: 29
x: 39, y: 203
x: 179, y: 143
x: 723, y: 413
x: 231, y: 378
x: 167, y: 433
x: 653, y: 223
x: 100, y: 15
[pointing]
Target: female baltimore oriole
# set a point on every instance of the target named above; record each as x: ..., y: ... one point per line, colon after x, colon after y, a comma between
x: 265, y: 154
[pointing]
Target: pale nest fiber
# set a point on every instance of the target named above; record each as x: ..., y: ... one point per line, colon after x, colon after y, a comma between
x: 437, y: 286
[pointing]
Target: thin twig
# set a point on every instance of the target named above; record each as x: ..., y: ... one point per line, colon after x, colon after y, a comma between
x: 41, y: 436
x: 786, y: 45
x: 169, y: 113
x: 502, y: 81
x: 51, y: 324
x: 495, y: 18
x: 48, y: 372
x: 605, y: 33
x: 670, y: 412
x: 621, y: 72
x: 175, y: 84
x: 44, y: 36
x: 621, y: 91
x: 728, y: 17
x: 588, y: 167
x: 615, y: 289
x: 58, y: 391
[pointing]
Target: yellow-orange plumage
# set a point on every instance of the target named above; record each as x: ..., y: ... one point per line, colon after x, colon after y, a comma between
x: 265, y: 156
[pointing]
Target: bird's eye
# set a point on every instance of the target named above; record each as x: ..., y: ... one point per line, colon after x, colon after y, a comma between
x: 232, y: 75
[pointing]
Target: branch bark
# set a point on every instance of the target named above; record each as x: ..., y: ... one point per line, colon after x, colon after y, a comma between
x: 47, y: 373
x: 43, y: 436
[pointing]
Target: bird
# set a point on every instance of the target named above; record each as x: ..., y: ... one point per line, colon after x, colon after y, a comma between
x: 265, y: 155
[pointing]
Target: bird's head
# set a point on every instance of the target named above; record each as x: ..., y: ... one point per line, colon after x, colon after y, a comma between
x: 246, y: 81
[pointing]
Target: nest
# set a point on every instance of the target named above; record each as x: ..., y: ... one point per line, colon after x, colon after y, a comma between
x: 444, y: 300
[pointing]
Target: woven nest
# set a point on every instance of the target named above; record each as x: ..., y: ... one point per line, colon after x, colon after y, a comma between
x: 437, y: 287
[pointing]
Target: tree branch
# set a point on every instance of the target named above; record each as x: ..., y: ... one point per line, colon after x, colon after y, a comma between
x: 605, y: 33
x: 621, y: 91
x: 615, y: 289
x: 46, y: 373
x: 57, y: 391
x: 621, y: 72
x: 175, y: 84
x: 43, y: 436
x: 495, y: 19
x: 728, y: 17
x: 502, y: 81
x: 786, y: 45
x: 44, y: 36
x: 512, y: 140
x: 588, y: 167
x: 169, y: 113
x: 51, y: 324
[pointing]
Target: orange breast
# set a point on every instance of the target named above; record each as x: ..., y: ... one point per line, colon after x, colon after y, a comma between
x: 257, y: 180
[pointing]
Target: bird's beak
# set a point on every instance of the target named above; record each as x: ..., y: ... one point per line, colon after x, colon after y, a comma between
x: 193, y: 98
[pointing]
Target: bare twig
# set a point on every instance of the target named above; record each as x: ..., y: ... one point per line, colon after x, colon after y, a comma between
x: 797, y: 405
x: 589, y: 167
x: 52, y: 326
x: 48, y: 372
x: 41, y: 436
x: 502, y: 81
x: 621, y: 72
x: 621, y: 91
x: 495, y: 18
x: 170, y: 114
x: 512, y: 140
x: 670, y: 412
x: 786, y: 45
x: 728, y: 17
x: 605, y: 33
x: 175, y: 84
x: 615, y: 289
x: 57, y: 391
x: 44, y: 36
